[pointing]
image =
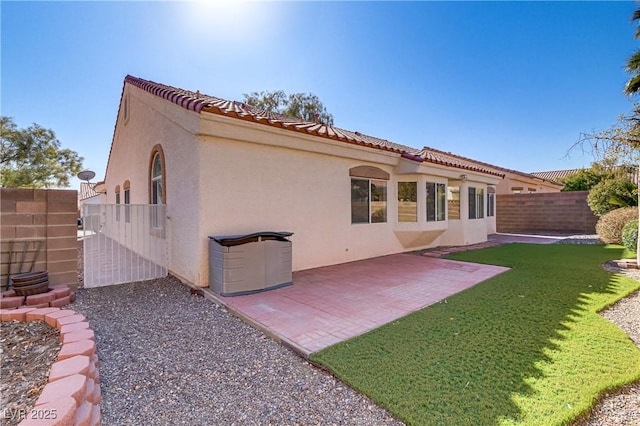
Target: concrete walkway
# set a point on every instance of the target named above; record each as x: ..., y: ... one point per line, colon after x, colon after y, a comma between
x: 334, y: 303
x: 526, y: 238
x: 495, y: 240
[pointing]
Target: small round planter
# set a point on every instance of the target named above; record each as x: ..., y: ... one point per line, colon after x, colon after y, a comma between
x: 30, y: 283
x: 28, y: 277
x: 29, y: 290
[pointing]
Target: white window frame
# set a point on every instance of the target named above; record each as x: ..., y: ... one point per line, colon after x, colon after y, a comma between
x: 369, y: 200
x: 127, y: 203
x: 157, y: 184
x: 491, y: 204
x: 118, y: 205
x: 477, y: 210
x: 414, y: 219
x: 440, y: 211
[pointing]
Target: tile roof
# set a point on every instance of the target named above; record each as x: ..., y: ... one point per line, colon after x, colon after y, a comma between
x: 197, y: 102
x: 440, y: 157
x: 487, y: 165
x: 555, y: 174
x: 86, y: 191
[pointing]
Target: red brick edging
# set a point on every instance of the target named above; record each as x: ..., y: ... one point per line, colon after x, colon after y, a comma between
x: 72, y: 396
x: 55, y: 297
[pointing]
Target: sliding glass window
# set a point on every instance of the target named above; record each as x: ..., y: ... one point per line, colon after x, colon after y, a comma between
x: 436, y: 202
x: 368, y: 201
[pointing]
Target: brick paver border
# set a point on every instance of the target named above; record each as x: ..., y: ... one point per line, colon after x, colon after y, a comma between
x: 72, y: 396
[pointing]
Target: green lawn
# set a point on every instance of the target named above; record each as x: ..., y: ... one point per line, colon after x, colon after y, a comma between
x: 525, y: 347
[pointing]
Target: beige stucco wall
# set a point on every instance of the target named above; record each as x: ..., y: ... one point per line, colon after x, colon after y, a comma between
x: 258, y: 178
x: 155, y: 121
x: 228, y: 176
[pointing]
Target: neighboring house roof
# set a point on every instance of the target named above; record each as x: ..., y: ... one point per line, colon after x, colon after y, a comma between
x: 560, y: 174
x: 490, y: 166
x: 197, y: 102
x: 555, y: 174
x: 86, y: 191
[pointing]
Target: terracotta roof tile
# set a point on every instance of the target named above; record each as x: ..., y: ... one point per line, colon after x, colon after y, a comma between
x: 488, y: 165
x: 435, y: 156
x: 195, y: 101
x: 87, y: 191
x: 554, y: 175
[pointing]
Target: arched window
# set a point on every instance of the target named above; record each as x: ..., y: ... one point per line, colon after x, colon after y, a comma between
x: 156, y: 180
x: 157, y: 190
x: 368, y: 194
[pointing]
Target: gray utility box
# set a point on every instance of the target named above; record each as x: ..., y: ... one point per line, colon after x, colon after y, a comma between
x: 243, y: 264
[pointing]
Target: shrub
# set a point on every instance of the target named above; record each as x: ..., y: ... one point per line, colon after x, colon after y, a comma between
x: 630, y: 235
x: 582, y: 180
x: 611, y: 194
x: 609, y: 226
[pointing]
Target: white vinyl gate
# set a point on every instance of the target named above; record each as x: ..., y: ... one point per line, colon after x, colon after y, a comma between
x: 123, y: 243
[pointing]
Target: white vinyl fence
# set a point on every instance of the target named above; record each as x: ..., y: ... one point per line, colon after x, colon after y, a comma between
x: 123, y: 243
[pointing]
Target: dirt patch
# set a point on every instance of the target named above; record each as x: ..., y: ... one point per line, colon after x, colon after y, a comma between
x: 28, y: 350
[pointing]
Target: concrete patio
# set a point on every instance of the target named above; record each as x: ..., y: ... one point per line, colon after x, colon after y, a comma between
x: 330, y: 304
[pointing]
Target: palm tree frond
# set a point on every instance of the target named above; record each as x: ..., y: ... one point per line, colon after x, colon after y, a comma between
x: 633, y: 62
x: 636, y: 17
x: 633, y: 86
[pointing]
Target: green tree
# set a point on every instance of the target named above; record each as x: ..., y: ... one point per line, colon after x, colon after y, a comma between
x: 267, y: 101
x: 305, y: 106
x: 582, y: 180
x: 611, y: 194
x: 32, y: 157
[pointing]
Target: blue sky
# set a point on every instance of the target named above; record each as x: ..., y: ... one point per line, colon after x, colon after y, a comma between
x: 509, y: 83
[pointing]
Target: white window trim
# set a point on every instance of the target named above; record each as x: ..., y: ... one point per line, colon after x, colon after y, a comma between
x: 491, y: 204
x: 417, y: 184
x: 446, y: 189
x: 369, y: 200
x: 479, y: 209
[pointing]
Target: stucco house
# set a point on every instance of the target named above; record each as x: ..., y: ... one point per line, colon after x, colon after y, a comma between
x: 225, y: 168
x: 87, y: 195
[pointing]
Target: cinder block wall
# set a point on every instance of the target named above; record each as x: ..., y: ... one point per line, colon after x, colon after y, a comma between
x: 40, y: 225
x: 545, y: 212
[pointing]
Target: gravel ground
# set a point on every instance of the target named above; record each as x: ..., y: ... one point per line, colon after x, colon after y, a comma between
x: 580, y: 239
x: 169, y: 358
